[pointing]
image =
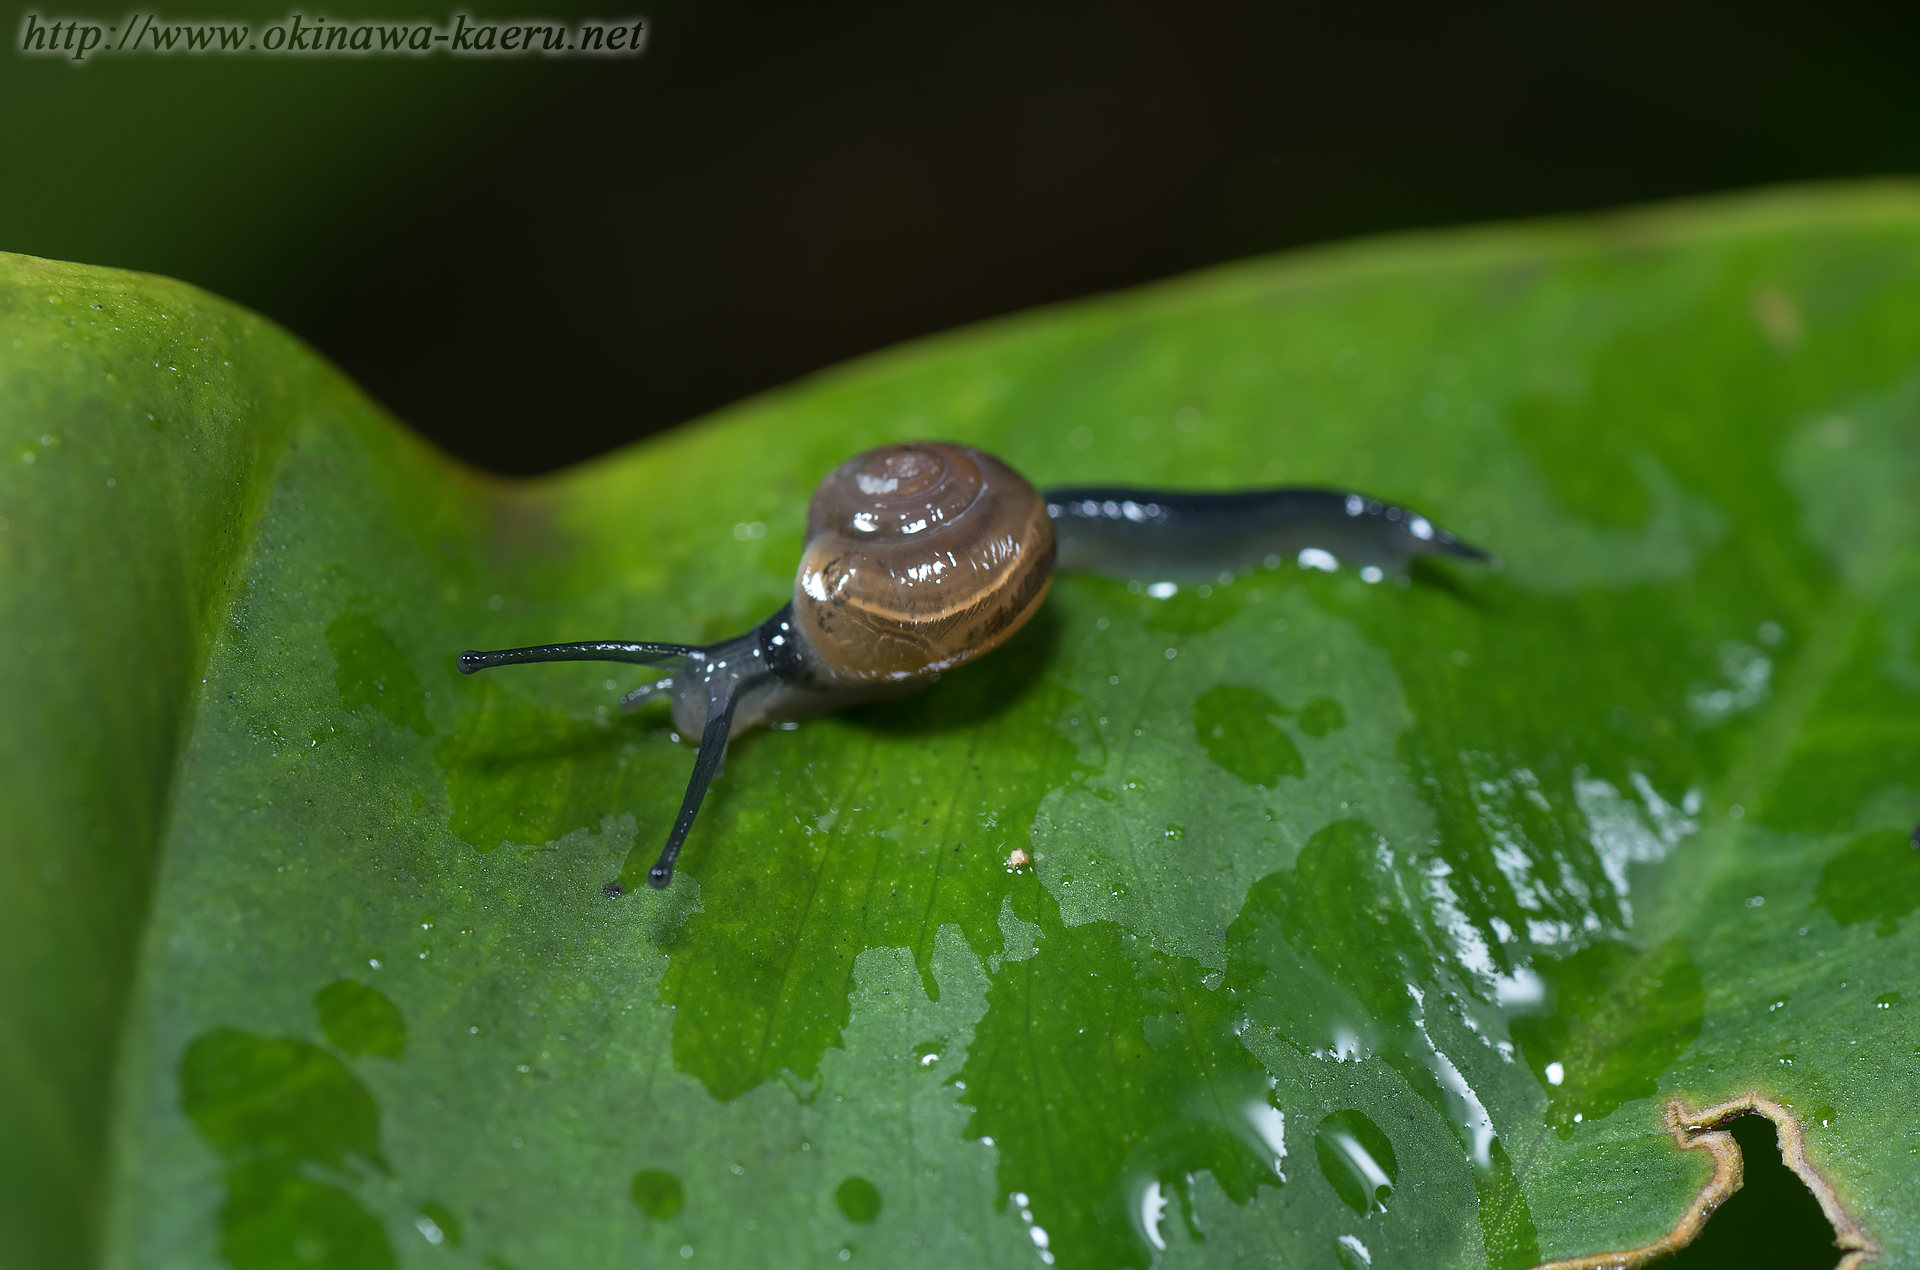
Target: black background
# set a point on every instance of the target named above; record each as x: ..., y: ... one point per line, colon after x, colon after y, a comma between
x: 534, y: 262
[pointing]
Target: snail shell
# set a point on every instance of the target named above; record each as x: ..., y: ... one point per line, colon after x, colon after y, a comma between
x: 919, y: 557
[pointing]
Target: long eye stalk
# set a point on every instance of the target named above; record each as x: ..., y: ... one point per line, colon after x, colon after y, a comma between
x: 591, y: 650
x: 713, y: 752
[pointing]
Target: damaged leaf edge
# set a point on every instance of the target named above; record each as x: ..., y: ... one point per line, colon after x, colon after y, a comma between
x: 1705, y: 1129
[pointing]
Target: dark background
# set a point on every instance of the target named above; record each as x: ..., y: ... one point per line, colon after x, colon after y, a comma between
x: 534, y: 262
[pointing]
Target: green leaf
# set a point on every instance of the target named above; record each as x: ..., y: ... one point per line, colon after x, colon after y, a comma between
x: 360, y: 1020
x: 1362, y: 924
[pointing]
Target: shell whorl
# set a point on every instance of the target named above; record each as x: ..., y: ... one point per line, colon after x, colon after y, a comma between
x: 920, y: 557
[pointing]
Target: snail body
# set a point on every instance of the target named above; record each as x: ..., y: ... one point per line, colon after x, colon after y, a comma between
x: 1131, y: 533
x: 922, y: 556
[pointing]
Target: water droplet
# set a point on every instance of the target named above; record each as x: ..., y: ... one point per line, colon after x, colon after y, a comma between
x: 1357, y: 1160
x: 437, y: 1224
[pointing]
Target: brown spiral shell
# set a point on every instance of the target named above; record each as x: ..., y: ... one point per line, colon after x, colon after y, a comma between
x: 920, y: 557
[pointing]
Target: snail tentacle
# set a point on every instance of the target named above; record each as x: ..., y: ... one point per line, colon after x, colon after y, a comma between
x: 706, y: 766
x: 1175, y: 534
x: 720, y: 689
x: 645, y: 654
x: 644, y: 693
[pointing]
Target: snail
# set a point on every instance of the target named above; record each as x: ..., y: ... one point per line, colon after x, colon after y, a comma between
x: 922, y: 556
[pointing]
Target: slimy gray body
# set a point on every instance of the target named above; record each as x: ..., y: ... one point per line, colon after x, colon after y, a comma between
x: 1154, y: 534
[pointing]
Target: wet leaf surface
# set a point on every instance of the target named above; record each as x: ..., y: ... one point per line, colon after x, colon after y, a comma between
x: 1361, y: 924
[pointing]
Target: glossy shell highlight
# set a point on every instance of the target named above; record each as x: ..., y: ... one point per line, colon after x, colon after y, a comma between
x: 920, y: 557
